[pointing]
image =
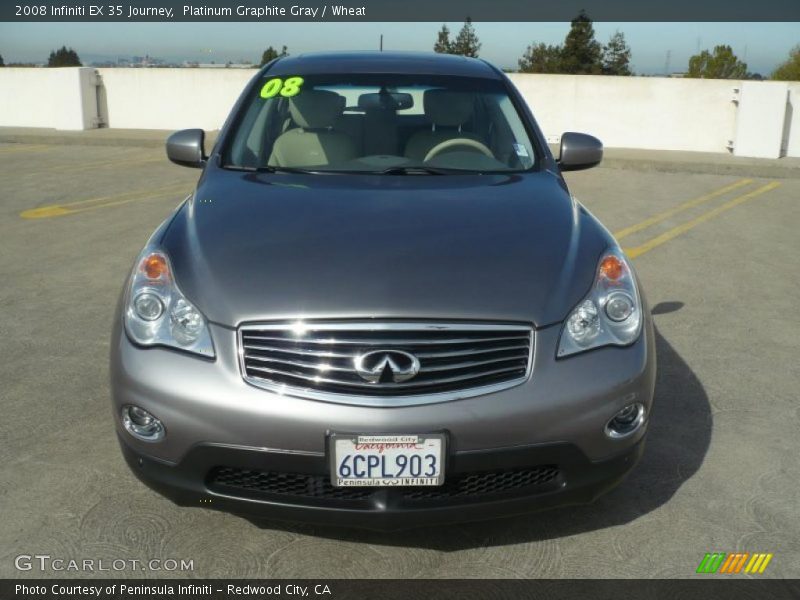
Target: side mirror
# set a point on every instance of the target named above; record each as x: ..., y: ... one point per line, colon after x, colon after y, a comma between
x: 186, y: 148
x: 579, y: 151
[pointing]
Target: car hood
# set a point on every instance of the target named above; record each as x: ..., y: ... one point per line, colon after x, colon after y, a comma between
x: 256, y: 246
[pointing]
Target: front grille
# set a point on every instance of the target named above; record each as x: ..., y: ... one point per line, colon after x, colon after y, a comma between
x: 320, y: 357
x: 282, y: 484
x: 481, y: 484
x: 302, y: 486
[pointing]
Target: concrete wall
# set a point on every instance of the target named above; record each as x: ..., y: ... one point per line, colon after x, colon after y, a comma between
x: 56, y: 98
x: 634, y: 112
x: 628, y: 112
x: 791, y: 131
x: 170, y: 98
x: 761, y: 119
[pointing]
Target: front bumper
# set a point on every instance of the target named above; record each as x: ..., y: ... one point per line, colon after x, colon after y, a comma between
x: 204, y: 401
x: 192, y: 482
x: 214, y: 420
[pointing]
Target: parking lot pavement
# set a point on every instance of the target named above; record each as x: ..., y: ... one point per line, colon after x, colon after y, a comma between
x: 717, y: 255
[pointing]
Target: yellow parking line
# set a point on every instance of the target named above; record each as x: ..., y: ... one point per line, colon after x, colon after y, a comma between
x: 680, y: 208
x: 683, y: 228
x: 166, y: 188
x: 58, y: 210
x: 120, y: 162
x: 36, y: 148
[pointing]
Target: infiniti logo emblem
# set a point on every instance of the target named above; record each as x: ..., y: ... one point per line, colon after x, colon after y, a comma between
x: 386, y: 366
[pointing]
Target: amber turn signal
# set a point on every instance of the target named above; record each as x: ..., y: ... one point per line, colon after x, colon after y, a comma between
x: 155, y: 266
x: 612, y: 268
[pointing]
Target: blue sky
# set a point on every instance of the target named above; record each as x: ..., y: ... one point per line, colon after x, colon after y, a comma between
x: 761, y: 45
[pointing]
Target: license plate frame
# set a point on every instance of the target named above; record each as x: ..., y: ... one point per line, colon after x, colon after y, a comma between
x: 432, y: 442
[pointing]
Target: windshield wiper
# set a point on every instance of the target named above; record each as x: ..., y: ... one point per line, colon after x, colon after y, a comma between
x: 270, y: 169
x: 401, y: 170
x: 416, y: 170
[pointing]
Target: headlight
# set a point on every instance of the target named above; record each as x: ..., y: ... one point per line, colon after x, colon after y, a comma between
x: 157, y: 313
x: 611, y: 315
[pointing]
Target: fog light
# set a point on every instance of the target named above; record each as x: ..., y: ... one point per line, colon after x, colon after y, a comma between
x: 626, y: 421
x: 142, y: 424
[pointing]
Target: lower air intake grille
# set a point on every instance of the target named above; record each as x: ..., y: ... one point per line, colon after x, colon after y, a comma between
x: 482, y: 484
x: 241, y: 482
x: 281, y: 484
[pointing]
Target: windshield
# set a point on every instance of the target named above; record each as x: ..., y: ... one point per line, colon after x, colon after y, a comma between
x: 393, y: 124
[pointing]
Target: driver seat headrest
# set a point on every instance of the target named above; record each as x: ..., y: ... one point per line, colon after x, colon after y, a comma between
x: 316, y: 109
x: 448, y: 108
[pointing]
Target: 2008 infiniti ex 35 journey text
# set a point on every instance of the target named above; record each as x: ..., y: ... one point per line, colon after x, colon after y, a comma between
x: 381, y: 307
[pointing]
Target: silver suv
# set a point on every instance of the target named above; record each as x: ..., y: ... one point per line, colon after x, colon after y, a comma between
x: 381, y: 307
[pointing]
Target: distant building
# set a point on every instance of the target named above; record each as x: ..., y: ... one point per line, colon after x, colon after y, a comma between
x: 229, y: 65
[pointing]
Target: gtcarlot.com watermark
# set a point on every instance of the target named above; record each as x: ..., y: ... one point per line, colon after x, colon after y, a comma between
x: 47, y: 563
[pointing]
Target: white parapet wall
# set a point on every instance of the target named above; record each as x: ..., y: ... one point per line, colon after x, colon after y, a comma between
x: 64, y: 98
x: 656, y: 113
x: 761, y: 119
x: 652, y: 113
x: 170, y: 98
x: 791, y: 131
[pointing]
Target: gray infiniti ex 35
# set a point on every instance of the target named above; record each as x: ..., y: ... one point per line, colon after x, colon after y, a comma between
x: 381, y: 307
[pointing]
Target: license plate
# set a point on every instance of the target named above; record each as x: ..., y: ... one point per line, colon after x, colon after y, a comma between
x: 387, y: 460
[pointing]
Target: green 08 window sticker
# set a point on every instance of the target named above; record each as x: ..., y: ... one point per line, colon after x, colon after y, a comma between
x: 285, y: 87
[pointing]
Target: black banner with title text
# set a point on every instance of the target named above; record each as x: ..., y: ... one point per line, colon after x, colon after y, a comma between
x: 398, y: 10
x: 708, y: 588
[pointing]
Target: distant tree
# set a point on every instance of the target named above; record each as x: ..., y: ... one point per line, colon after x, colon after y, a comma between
x: 466, y: 42
x: 443, y: 43
x: 617, y: 56
x: 64, y: 57
x: 790, y: 69
x: 271, y: 54
x: 2, y: 63
x: 722, y: 64
x: 541, y: 58
x: 582, y: 54
x: 754, y: 76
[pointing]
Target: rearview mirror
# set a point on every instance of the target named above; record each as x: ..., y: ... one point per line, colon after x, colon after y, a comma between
x: 386, y: 101
x: 186, y: 148
x: 579, y: 151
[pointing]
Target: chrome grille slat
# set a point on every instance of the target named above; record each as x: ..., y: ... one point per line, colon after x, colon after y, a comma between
x: 317, y: 359
x: 468, y: 364
x: 321, y: 367
x: 469, y: 352
x: 351, y: 355
x: 304, y: 352
x: 318, y: 379
x: 382, y: 341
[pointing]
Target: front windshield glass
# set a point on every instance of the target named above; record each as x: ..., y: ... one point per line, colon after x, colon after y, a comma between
x: 394, y: 123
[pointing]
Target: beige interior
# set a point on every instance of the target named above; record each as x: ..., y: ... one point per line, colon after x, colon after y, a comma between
x: 447, y: 111
x: 314, y: 141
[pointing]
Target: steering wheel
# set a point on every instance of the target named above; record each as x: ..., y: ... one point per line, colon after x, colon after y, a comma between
x: 447, y: 144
